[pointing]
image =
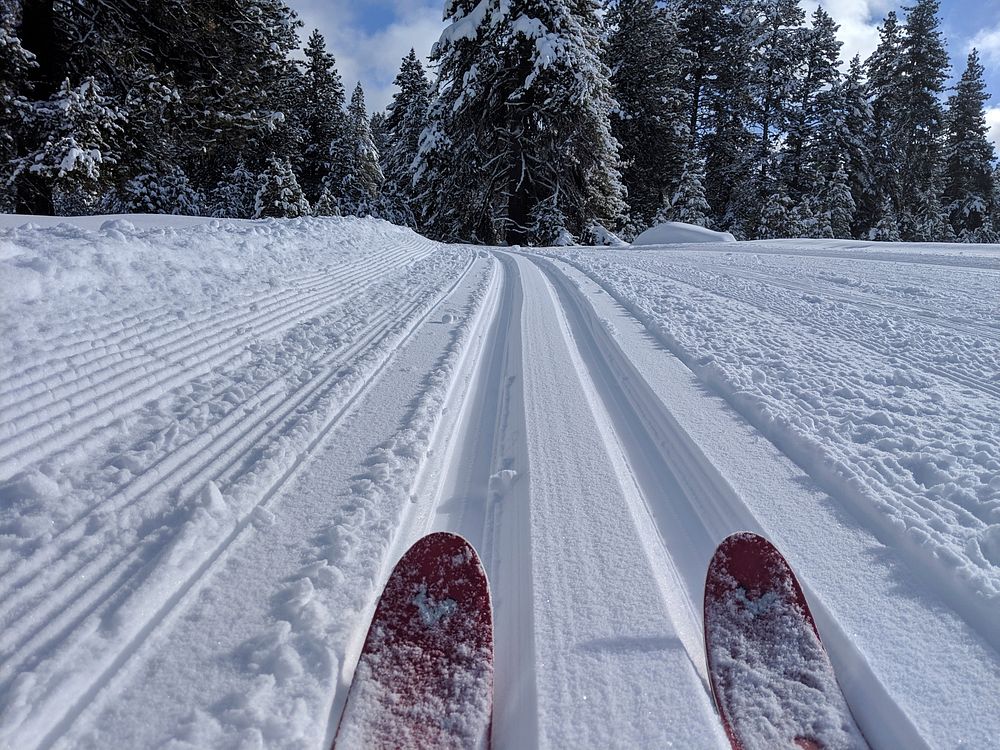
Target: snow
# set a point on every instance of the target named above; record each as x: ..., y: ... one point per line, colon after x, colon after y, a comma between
x: 673, y: 232
x: 218, y: 437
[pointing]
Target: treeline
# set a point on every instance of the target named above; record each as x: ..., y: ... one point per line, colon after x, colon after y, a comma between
x: 547, y: 121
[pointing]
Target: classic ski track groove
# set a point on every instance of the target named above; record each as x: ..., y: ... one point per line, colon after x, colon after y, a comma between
x: 132, y: 326
x: 42, y: 430
x: 486, y: 436
x: 203, y: 570
x: 979, y: 263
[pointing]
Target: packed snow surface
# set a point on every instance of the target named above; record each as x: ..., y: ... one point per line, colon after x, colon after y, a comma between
x: 674, y: 232
x: 217, y: 438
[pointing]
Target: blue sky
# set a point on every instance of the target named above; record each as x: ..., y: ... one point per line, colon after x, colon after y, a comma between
x: 370, y: 37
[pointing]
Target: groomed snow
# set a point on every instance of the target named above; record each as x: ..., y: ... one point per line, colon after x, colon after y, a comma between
x: 216, y: 439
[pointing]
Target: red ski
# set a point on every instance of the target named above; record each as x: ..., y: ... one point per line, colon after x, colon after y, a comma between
x: 771, y: 677
x: 425, y: 676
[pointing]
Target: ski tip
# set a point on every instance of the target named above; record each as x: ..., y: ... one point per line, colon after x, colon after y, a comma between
x: 442, y: 545
x: 752, y: 562
x: 750, y: 559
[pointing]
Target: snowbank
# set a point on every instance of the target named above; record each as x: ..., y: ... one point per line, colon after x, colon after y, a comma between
x: 672, y: 232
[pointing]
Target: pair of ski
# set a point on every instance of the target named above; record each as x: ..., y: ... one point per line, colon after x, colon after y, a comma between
x: 425, y: 676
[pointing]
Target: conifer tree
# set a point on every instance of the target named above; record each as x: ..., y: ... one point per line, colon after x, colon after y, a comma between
x: 718, y: 79
x: 688, y: 203
x: 839, y: 204
x: 778, y: 56
x: 840, y: 142
x: 321, y: 109
x: 820, y: 75
x: 885, y: 229
x: 15, y: 65
x: 651, y: 120
x: 886, y: 142
x: 777, y: 220
x: 326, y: 205
x: 362, y: 181
x: 234, y: 196
x: 81, y: 132
x: 924, y: 70
x: 519, y: 135
x: 279, y: 195
x: 559, y: 147
x: 379, y: 135
x: 457, y: 172
x: 405, y: 120
x: 161, y: 191
x: 968, y: 193
x: 706, y: 29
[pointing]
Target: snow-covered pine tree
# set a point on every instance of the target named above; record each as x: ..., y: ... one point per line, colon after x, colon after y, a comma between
x: 968, y: 182
x: 885, y: 229
x: 688, y: 203
x: 15, y: 66
x: 839, y: 203
x: 358, y: 191
x: 320, y: 106
x: 803, y: 222
x: 457, y: 172
x: 647, y: 60
x: 777, y: 220
x: 995, y: 223
x: 279, y: 195
x: 234, y: 196
x: 777, y: 62
x: 81, y: 131
x: 559, y: 148
x: 326, y: 205
x: 705, y: 28
x: 520, y: 119
x: 924, y: 70
x: 840, y: 142
x: 883, y: 70
x: 820, y: 75
x: 405, y: 120
x: 726, y: 141
x: 379, y: 136
x: 160, y: 192
x: 237, y: 82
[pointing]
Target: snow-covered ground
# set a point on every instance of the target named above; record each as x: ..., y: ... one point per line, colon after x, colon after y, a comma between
x: 217, y: 438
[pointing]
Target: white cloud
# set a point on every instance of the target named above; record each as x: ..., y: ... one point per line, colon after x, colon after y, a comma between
x: 993, y: 120
x: 372, y: 57
x: 859, y: 21
x: 987, y: 41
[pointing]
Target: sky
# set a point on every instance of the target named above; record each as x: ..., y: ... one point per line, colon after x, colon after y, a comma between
x: 369, y: 38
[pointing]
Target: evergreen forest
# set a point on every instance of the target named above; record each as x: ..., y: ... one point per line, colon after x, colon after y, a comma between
x: 532, y: 122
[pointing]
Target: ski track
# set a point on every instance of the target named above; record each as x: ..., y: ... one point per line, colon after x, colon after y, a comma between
x: 202, y: 502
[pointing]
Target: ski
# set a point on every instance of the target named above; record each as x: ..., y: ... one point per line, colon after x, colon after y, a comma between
x: 425, y: 675
x: 771, y: 676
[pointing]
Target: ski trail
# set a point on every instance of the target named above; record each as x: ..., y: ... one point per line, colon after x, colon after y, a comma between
x: 590, y: 565
x: 484, y: 495
x: 731, y: 478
